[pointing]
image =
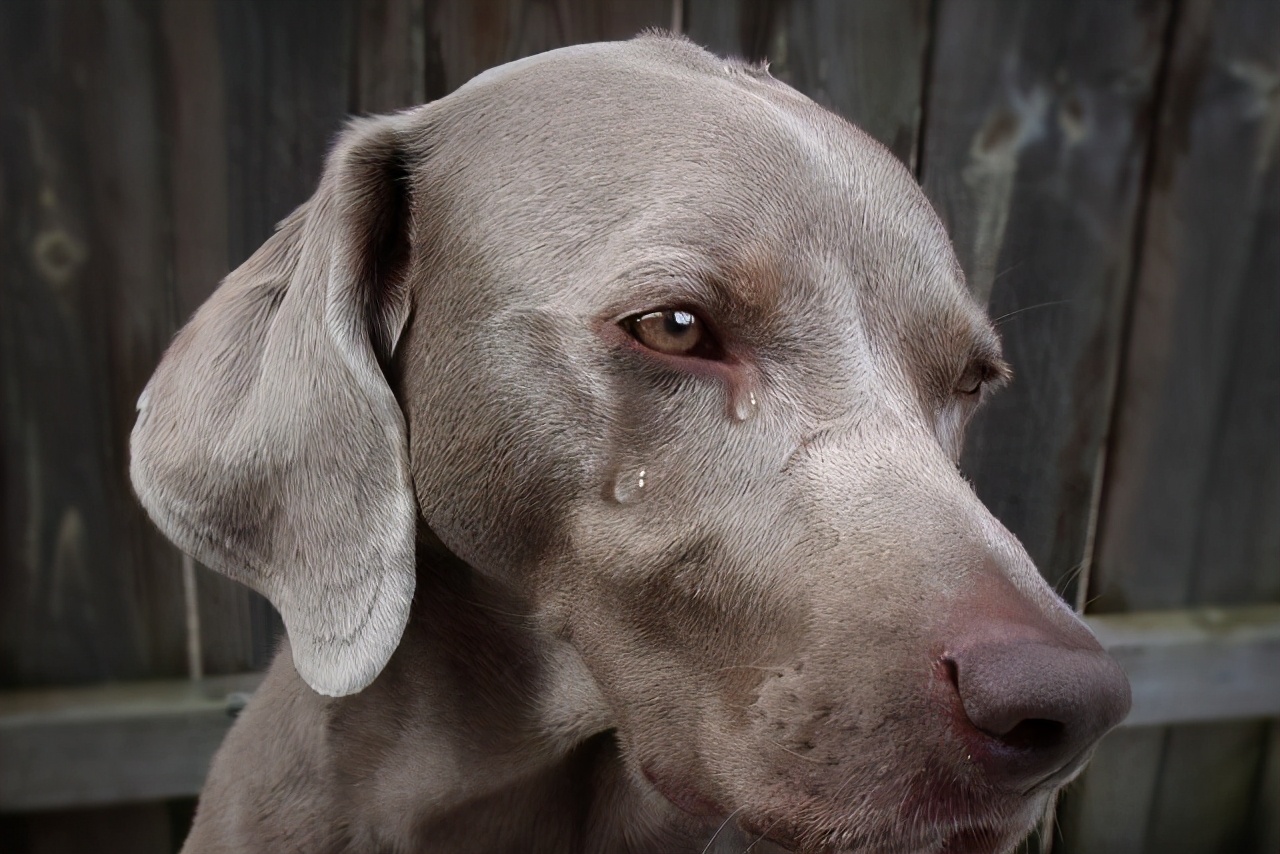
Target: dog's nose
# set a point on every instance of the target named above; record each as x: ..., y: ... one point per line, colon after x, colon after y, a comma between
x: 1040, y: 706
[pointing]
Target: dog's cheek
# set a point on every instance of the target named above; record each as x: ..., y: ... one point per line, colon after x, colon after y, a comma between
x: 495, y: 440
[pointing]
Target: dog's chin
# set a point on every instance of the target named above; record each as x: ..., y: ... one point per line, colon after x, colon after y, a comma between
x: 993, y: 828
x: 970, y: 836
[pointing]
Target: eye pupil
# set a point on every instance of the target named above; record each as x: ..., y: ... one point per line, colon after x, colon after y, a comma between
x: 678, y: 322
x: 674, y: 332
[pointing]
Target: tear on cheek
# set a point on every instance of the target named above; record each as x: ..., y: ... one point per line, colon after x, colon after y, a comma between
x: 743, y: 401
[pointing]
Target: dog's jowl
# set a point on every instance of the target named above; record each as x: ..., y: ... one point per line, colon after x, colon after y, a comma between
x: 594, y: 430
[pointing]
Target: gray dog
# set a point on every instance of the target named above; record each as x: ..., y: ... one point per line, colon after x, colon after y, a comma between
x: 594, y: 430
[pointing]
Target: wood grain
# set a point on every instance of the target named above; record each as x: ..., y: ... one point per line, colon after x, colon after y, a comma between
x: 1209, y: 664
x: 863, y: 59
x: 115, y: 743
x: 464, y: 38
x: 1036, y: 135
x: 1193, y: 487
x: 390, y: 56
x: 132, y: 829
x: 89, y: 589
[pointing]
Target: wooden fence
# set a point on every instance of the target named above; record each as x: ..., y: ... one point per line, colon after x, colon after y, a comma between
x: 1108, y: 171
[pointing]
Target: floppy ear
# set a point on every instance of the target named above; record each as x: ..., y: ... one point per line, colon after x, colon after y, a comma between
x: 268, y: 443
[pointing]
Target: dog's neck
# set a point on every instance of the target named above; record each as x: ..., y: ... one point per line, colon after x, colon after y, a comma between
x: 508, y: 675
x: 484, y: 733
x: 482, y: 706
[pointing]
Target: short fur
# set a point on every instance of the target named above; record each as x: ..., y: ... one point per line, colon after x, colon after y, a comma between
x: 568, y: 594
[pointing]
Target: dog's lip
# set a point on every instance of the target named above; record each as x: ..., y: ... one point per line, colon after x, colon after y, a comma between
x: 684, y: 798
x: 984, y: 832
x: 969, y: 828
x: 975, y: 839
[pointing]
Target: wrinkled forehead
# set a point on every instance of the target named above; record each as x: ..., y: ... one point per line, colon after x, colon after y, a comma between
x: 655, y: 152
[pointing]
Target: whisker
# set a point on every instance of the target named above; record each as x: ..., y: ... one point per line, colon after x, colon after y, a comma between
x: 1006, y: 271
x: 1067, y: 579
x: 1048, y: 824
x: 1002, y: 318
x: 722, y: 826
x: 762, y: 836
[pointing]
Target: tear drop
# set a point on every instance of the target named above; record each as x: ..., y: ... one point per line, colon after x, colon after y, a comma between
x: 629, y: 486
x: 744, y: 405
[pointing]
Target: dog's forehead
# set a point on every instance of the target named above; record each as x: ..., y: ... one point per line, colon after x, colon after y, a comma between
x: 655, y: 145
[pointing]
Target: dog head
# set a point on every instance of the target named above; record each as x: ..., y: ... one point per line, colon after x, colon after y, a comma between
x: 685, y: 360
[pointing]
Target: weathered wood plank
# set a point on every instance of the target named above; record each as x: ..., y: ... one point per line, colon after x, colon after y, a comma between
x: 864, y: 59
x: 1096, y: 816
x: 1194, y: 487
x: 1264, y: 826
x: 464, y: 38
x: 1204, y: 792
x: 1034, y: 144
x: 1193, y: 491
x: 132, y: 265
x: 114, y: 743
x: 127, y: 829
x: 390, y: 55
x: 1211, y: 664
x: 287, y: 69
x: 89, y: 590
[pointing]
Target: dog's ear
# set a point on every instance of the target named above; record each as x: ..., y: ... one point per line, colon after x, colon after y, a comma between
x: 269, y: 444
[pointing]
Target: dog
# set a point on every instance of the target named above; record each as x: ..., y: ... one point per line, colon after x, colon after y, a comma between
x: 594, y: 430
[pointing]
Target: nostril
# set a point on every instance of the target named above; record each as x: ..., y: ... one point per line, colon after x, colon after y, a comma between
x: 1032, y: 710
x: 953, y: 672
x: 1033, y: 734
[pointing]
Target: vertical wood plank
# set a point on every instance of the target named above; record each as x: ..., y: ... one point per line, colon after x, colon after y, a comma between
x: 287, y: 69
x: 464, y: 38
x: 1097, y: 816
x: 1035, y: 142
x: 89, y: 590
x: 1194, y: 487
x: 1264, y: 826
x: 390, y: 55
x: 1193, y: 491
x: 1204, y: 792
x: 863, y: 59
x: 134, y: 829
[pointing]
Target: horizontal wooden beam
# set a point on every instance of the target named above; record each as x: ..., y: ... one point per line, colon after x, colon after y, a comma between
x: 150, y: 740
x: 1207, y: 664
x: 108, y: 744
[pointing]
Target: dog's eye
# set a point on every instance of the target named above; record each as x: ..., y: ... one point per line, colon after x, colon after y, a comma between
x: 970, y: 382
x: 673, y: 332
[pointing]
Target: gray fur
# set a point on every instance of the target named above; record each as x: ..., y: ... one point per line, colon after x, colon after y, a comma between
x: 659, y: 605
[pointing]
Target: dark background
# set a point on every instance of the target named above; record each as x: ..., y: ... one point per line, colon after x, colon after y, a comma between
x: 1107, y: 169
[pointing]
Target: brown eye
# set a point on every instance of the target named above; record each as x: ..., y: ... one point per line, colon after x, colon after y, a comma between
x: 673, y: 332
